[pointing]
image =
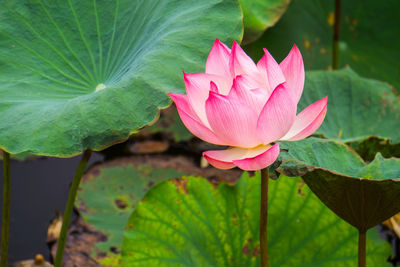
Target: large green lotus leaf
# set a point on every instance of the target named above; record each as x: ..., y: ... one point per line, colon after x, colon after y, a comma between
x: 358, y: 108
x: 107, y: 196
x: 190, y: 222
x: 86, y: 74
x: 258, y: 15
x: 362, y: 194
x: 369, y: 41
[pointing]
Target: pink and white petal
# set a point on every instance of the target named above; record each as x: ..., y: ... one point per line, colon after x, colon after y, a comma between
x: 270, y: 71
x: 260, y: 161
x: 223, y: 159
x: 293, y: 69
x: 232, y: 120
x: 218, y: 60
x: 241, y: 63
x: 255, y: 98
x: 307, y: 121
x: 198, y: 87
x: 192, y: 122
x: 277, y: 116
x: 219, y: 164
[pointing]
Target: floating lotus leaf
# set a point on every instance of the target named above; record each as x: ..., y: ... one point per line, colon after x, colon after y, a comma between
x: 109, y: 193
x: 258, y: 15
x: 369, y: 43
x: 191, y: 222
x: 78, y: 75
x: 362, y: 194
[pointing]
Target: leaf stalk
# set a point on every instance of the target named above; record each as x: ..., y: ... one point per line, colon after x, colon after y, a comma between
x: 362, y: 253
x: 70, y: 205
x: 5, y: 222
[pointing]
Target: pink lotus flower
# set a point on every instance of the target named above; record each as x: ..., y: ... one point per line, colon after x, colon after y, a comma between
x: 246, y: 106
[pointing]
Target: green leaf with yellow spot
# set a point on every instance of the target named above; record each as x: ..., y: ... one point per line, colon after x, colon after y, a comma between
x: 191, y: 222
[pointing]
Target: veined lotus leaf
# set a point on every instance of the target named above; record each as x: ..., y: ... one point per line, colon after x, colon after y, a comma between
x: 78, y: 75
x: 359, y: 110
x: 190, y: 222
x: 368, y: 43
x: 362, y: 194
x: 259, y: 15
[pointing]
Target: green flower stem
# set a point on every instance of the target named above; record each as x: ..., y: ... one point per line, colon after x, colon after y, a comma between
x: 5, y: 222
x: 264, y: 217
x: 69, y: 207
x: 336, y: 32
x: 362, y: 254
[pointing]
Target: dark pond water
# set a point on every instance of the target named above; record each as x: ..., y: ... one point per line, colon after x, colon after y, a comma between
x: 39, y: 187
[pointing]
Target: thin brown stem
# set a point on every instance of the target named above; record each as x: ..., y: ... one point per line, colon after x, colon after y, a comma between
x: 336, y: 33
x: 362, y: 253
x: 264, y: 217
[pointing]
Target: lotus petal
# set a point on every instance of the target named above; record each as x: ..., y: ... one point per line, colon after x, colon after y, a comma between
x: 307, y: 121
x: 277, y: 116
x: 246, y: 159
x: 293, y: 69
x: 233, y: 120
